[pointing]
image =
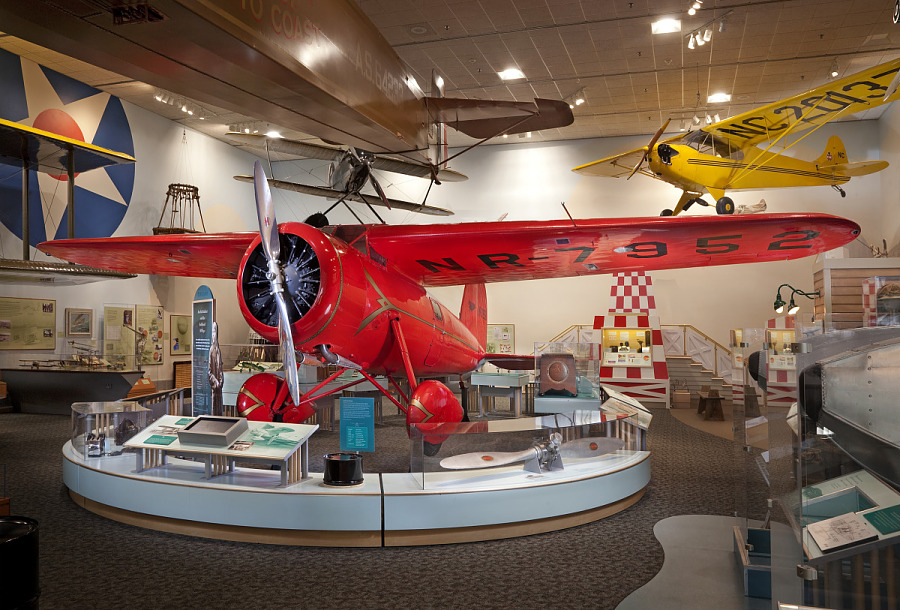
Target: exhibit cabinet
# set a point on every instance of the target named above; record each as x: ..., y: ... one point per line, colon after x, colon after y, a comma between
x: 832, y: 465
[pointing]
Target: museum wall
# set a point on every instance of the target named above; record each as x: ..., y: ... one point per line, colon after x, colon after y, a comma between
x: 889, y: 140
x: 515, y: 180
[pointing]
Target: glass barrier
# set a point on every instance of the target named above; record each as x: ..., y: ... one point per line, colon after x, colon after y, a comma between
x: 489, y: 452
x: 838, y: 505
x: 102, y: 428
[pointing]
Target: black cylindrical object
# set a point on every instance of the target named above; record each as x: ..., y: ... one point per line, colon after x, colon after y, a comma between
x: 343, y: 469
x: 19, y: 562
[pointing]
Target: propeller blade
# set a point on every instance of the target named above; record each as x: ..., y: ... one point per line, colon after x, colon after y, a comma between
x: 268, y: 232
x: 649, y: 148
x: 265, y: 212
x: 470, y: 461
x: 378, y: 190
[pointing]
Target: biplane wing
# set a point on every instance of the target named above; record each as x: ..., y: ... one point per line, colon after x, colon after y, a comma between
x: 49, y: 152
x: 322, y: 191
x: 471, y: 253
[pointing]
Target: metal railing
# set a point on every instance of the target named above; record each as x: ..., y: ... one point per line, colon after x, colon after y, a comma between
x: 167, y: 402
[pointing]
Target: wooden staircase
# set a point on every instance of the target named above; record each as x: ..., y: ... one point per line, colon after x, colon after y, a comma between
x: 695, y: 376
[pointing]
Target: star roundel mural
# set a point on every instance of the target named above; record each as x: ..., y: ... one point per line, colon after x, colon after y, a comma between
x: 39, y: 97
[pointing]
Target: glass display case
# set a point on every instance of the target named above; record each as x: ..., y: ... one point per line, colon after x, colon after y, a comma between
x: 626, y: 347
x: 482, y: 452
x: 102, y: 428
x: 566, y: 369
x: 881, y: 300
x: 836, y: 502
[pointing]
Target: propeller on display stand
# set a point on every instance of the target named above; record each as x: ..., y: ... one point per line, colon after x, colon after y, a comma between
x: 268, y: 232
x: 577, y: 449
x: 649, y: 148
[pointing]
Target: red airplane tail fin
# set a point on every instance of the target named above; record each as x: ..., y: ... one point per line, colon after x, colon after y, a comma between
x: 834, y: 154
x: 473, y: 313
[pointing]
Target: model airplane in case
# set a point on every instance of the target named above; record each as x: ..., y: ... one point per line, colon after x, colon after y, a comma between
x: 355, y: 296
x: 745, y: 151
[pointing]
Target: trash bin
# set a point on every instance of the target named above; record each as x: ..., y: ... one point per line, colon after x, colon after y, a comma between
x: 19, y: 562
x: 343, y: 469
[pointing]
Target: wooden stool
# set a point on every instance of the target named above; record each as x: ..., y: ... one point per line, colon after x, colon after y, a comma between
x: 713, y: 406
x: 704, y: 394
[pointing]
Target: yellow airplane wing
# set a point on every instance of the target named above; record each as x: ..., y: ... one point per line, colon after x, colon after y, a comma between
x: 48, y: 152
x: 612, y: 167
x: 810, y: 110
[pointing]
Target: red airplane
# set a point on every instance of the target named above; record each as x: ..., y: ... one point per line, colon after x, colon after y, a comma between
x: 354, y: 296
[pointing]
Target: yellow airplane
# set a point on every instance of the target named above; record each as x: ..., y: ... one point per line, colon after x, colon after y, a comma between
x: 728, y: 155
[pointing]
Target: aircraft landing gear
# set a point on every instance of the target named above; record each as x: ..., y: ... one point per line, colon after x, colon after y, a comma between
x: 725, y: 206
x: 666, y: 212
x: 839, y: 190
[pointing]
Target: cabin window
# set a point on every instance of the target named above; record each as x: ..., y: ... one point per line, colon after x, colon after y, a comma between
x: 435, y: 306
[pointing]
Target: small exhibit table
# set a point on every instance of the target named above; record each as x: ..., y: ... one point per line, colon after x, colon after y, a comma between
x: 285, y: 445
x: 504, y: 385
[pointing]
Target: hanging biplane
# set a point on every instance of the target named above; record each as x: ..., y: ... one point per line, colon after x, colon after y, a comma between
x: 729, y: 155
x: 321, y: 68
x: 355, y: 296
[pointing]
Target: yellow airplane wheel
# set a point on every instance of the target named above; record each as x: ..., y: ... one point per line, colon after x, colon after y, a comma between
x: 725, y: 206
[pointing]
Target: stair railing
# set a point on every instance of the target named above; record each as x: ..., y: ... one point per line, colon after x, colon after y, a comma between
x: 687, y: 340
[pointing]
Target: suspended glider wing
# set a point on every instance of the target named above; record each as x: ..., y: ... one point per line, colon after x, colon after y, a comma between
x: 469, y: 253
x: 615, y: 166
x: 48, y: 152
x: 328, y: 153
x: 488, y: 118
x: 322, y: 191
x: 810, y: 110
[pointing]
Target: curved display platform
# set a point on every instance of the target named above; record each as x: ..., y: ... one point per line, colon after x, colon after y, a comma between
x: 388, y: 509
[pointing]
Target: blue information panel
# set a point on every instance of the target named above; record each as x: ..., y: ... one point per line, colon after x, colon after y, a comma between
x: 357, y: 423
x: 203, y: 313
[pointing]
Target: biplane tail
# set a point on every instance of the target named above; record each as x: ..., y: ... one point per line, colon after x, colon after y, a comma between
x: 473, y: 313
x: 834, y: 154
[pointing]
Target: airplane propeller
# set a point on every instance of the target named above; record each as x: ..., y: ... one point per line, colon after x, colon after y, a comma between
x: 271, y: 243
x: 649, y: 148
x: 368, y: 160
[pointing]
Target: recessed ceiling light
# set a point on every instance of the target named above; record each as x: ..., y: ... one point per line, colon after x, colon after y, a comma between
x: 665, y: 26
x: 418, y: 30
x: 717, y: 98
x: 511, y: 74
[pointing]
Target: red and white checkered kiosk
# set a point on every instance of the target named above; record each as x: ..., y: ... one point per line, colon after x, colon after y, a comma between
x: 632, y: 357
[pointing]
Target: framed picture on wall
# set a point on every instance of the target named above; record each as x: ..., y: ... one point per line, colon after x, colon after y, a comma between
x: 79, y: 322
x: 179, y: 335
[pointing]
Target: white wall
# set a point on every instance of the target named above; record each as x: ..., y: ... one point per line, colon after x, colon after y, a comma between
x: 520, y: 180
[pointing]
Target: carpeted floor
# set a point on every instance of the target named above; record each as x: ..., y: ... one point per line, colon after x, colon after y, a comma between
x: 88, y: 561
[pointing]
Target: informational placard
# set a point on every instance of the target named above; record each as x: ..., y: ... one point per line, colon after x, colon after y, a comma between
x: 203, y: 312
x: 501, y: 339
x: 27, y: 323
x: 357, y: 423
x: 116, y: 340
x: 149, y: 321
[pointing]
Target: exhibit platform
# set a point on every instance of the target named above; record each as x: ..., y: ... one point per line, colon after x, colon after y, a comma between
x: 387, y: 509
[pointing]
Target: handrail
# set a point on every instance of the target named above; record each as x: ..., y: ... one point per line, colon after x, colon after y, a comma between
x: 174, y: 399
x: 717, y: 347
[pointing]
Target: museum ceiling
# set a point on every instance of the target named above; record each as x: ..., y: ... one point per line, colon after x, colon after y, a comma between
x: 601, y: 51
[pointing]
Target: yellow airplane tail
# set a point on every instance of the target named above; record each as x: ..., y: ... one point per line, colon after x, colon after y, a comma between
x: 835, y: 153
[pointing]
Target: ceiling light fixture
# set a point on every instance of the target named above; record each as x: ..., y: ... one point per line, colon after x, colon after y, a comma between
x: 691, y: 43
x: 703, y: 34
x: 834, y: 68
x: 718, y: 98
x: 692, y: 11
x: 700, y: 40
x: 665, y: 26
x: 511, y: 74
x: 707, y: 34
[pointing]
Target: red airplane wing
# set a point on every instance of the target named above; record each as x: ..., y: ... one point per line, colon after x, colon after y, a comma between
x: 192, y: 254
x: 449, y: 255
x: 470, y: 253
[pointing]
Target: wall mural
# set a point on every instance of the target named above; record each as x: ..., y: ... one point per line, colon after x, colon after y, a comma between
x: 39, y: 97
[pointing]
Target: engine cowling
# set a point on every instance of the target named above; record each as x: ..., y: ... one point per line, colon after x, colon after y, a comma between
x: 315, y: 285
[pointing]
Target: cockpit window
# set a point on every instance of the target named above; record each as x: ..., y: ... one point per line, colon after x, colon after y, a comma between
x: 437, y: 311
x: 707, y: 144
